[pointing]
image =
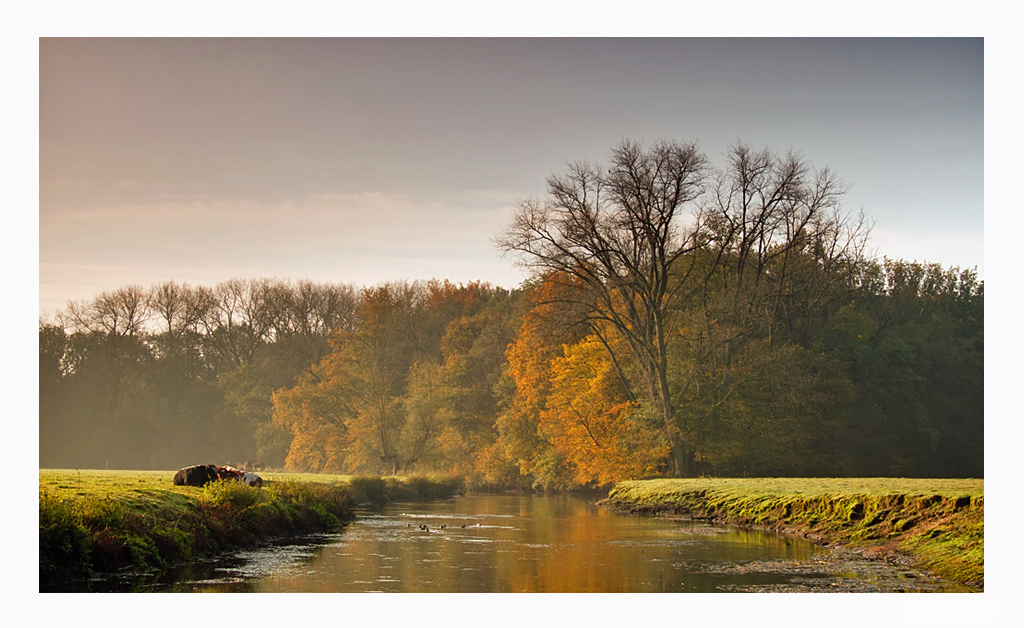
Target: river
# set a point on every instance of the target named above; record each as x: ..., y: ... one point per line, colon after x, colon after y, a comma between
x: 501, y: 543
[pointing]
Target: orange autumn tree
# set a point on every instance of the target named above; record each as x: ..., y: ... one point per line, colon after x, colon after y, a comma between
x: 567, y: 421
x: 591, y: 422
x: 526, y: 383
x: 352, y: 400
x: 411, y: 389
x: 317, y: 413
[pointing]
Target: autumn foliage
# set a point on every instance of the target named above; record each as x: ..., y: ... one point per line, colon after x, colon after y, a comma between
x: 680, y: 319
x: 592, y: 424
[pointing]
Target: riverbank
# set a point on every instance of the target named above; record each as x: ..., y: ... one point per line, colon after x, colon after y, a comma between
x: 937, y: 523
x: 94, y: 522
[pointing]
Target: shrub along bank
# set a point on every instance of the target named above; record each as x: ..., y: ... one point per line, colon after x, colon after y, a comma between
x: 106, y: 521
x: 939, y: 523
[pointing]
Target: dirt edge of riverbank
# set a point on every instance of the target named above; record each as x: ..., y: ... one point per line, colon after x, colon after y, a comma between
x: 940, y: 532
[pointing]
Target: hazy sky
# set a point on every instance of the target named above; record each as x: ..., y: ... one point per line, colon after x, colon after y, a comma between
x: 365, y: 160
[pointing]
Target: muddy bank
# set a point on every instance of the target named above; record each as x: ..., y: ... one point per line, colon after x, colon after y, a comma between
x: 932, y: 525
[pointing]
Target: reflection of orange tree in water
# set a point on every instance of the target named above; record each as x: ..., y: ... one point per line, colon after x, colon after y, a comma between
x: 582, y: 553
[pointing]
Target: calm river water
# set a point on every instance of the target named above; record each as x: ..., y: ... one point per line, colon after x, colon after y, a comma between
x: 492, y: 543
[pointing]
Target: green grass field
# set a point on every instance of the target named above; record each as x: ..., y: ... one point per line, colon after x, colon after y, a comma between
x: 93, y: 521
x: 148, y: 487
x: 939, y: 522
x: 96, y: 521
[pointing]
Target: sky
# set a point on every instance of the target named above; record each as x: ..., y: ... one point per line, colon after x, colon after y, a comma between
x: 369, y: 160
x: 363, y: 160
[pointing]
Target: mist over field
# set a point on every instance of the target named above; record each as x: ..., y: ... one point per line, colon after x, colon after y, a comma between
x: 754, y: 338
x: 529, y: 262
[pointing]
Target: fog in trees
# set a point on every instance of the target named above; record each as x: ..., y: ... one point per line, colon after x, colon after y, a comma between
x: 681, y: 318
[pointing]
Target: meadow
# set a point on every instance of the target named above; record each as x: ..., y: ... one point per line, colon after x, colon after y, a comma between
x: 94, y: 521
x: 939, y: 523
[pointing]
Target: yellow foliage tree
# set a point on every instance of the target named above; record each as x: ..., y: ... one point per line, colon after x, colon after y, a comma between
x: 590, y: 421
x: 528, y: 375
x: 316, y: 412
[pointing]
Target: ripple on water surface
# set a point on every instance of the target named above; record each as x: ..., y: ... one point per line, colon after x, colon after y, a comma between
x: 546, y: 544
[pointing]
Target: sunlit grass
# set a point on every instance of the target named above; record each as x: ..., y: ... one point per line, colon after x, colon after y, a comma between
x: 938, y: 521
x: 100, y: 521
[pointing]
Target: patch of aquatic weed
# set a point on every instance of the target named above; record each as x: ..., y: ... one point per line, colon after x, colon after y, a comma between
x: 840, y: 570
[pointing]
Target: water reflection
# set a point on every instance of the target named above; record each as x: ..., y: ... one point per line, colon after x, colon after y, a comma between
x: 490, y: 543
x: 521, y: 544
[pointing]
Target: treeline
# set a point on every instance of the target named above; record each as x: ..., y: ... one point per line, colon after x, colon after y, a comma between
x: 681, y: 320
x: 488, y: 383
x: 173, y: 375
x: 726, y: 320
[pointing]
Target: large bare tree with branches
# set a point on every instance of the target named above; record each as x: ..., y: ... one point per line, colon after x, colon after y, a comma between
x: 658, y: 235
x: 618, y: 239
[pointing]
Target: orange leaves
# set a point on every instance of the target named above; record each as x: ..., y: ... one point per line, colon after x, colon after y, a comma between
x: 315, y: 412
x: 569, y: 421
x: 590, y: 422
x: 529, y: 358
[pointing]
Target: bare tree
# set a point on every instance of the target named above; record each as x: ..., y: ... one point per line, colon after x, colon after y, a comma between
x: 662, y: 251
x: 314, y: 312
x: 168, y: 301
x: 122, y: 312
x: 782, y: 238
x: 180, y: 311
x: 619, y: 238
x: 112, y: 325
x: 241, y: 319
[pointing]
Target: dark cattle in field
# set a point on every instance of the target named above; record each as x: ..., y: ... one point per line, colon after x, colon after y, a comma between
x: 197, y: 475
x: 229, y: 473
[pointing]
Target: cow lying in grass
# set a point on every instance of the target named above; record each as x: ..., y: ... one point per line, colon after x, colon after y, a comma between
x: 196, y: 475
x: 251, y: 479
x: 229, y: 473
x: 203, y: 474
x: 245, y: 477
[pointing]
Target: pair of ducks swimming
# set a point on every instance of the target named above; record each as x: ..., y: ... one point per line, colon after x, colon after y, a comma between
x: 427, y: 529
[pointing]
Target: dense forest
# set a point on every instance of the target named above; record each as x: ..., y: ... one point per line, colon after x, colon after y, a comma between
x: 680, y: 320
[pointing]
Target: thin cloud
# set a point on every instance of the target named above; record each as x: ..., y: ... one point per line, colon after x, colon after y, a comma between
x: 363, y: 238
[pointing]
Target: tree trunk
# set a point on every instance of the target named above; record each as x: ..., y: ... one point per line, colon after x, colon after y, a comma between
x: 680, y: 459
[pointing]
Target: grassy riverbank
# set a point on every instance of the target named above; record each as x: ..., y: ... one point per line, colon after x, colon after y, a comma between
x: 106, y: 521
x: 938, y: 522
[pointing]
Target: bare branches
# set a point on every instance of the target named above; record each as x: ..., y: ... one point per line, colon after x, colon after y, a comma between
x: 122, y: 312
x: 659, y: 236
